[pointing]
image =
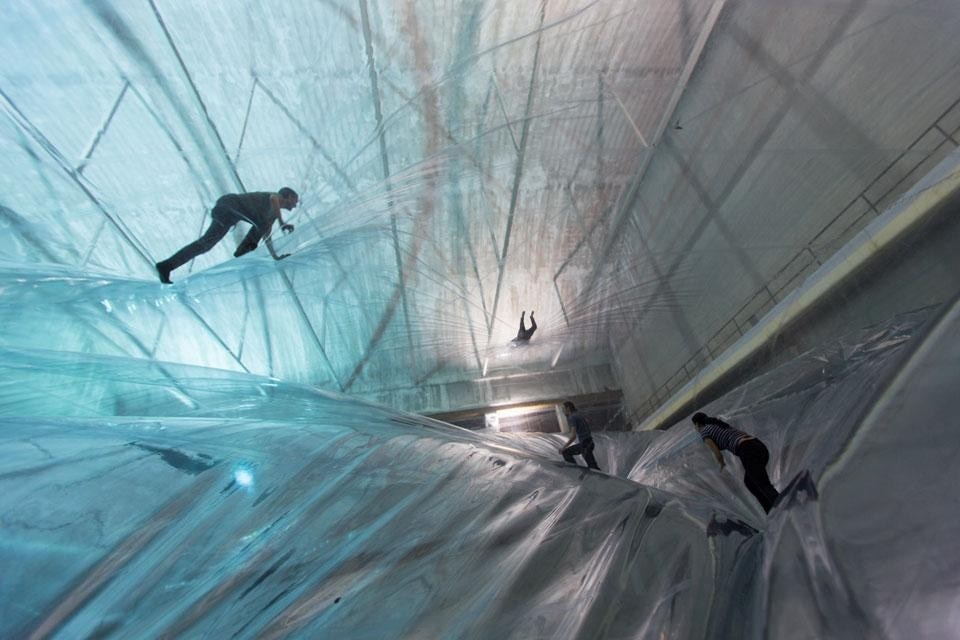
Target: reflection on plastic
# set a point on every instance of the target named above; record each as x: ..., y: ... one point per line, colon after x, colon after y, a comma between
x: 336, y: 518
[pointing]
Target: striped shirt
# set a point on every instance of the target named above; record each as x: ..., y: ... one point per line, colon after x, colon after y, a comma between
x: 726, y: 437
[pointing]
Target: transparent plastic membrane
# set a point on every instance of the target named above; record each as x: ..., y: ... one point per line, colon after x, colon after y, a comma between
x: 636, y: 172
x: 197, y: 502
x: 197, y: 459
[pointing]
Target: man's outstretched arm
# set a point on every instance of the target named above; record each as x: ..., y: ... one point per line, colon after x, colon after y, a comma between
x: 278, y: 215
x: 267, y: 241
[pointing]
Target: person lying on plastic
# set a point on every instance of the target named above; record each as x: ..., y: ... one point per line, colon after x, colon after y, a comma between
x: 260, y: 208
x: 720, y: 436
x: 524, y: 334
x: 580, y: 431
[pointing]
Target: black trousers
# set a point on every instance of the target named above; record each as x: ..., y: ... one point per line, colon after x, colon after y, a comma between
x: 584, y: 449
x: 224, y: 217
x: 525, y: 334
x: 754, y: 456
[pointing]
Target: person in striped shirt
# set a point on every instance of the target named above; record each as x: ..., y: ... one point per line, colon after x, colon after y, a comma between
x: 720, y: 436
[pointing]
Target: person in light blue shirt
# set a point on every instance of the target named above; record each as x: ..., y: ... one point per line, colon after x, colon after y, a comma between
x: 720, y: 436
x: 581, y: 435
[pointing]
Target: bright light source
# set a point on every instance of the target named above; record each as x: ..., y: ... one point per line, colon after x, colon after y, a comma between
x: 506, y: 419
x: 516, y: 412
x: 527, y: 409
x: 243, y: 477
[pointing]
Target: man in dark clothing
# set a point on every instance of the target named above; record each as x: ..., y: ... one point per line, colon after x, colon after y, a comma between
x: 524, y: 334
x: 720, y: 436
x: 260, y: 208
x: 581, y: 432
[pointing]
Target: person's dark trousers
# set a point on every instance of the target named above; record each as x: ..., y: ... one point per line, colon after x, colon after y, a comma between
x: 525, y: 334
x: 249, y: 242
x: 754, y: 456
x: 223, y: 219
x: 529, y: 332
x: 584, y: 449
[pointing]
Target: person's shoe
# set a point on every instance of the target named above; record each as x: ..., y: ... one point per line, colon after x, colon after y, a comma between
x: 164, y: 272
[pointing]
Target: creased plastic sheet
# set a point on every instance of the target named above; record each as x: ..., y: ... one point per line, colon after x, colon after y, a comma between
x: 293, y: 513
x: 184, y: 502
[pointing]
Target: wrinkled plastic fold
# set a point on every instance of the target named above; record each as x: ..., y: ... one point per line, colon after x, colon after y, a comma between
x: 186, y: 502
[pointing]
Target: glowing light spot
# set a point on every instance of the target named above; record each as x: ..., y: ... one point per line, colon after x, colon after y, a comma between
x: 243, y: 477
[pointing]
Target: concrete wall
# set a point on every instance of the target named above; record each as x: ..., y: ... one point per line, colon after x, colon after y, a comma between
x: 666, y: 351
x: 920, y: 270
